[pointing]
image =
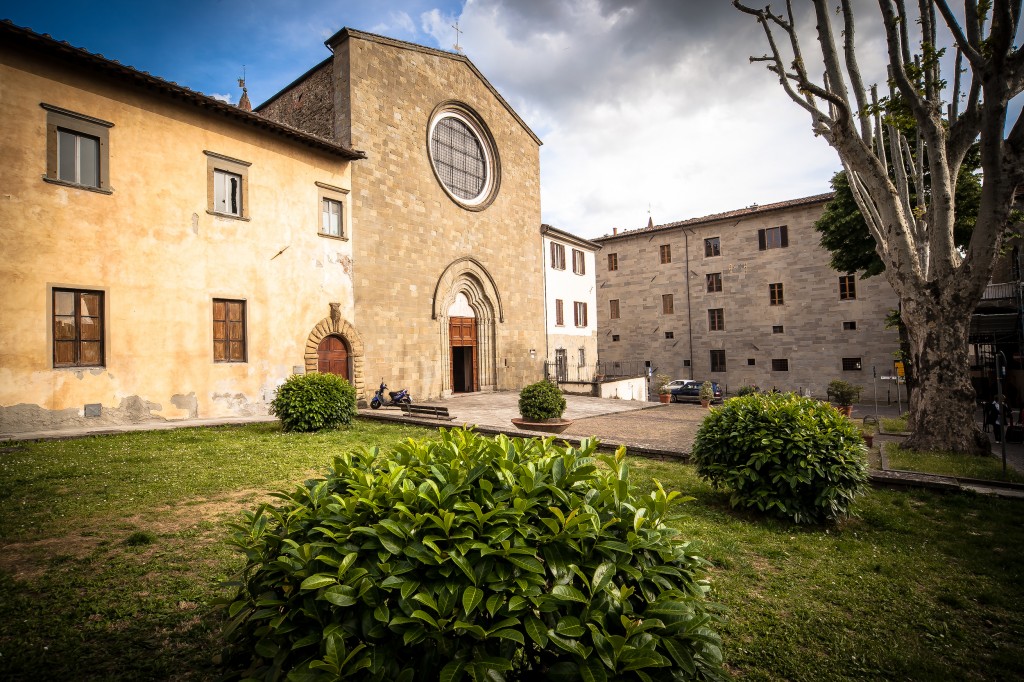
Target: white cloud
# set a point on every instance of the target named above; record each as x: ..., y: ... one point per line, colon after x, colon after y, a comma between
x: 643, y: 102
x: 221, y: 97
x: 397, y: 23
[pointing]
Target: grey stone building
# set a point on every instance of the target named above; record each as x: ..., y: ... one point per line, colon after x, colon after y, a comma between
x: 745, y: 297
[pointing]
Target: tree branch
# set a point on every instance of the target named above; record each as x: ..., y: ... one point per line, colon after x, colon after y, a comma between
x: 856, y: 82
x: 964, y: 45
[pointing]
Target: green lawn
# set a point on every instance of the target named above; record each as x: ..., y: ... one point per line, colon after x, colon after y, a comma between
x: 947, y: 464
x: 113, y: 548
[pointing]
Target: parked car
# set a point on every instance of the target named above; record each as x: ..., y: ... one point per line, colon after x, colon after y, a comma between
x: 676, y: 383
x: 689, y: 392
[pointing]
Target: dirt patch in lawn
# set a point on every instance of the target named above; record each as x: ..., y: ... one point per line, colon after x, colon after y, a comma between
x: 28, y: 561
x: 170, y: 519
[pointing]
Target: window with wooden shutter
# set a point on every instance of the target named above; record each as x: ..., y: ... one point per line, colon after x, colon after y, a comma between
x: 229, y: 330
x: 580, y: 313
x: 557, y: 256
x: 773, y: 238
x: 78, y: 328
x: 847, y: 288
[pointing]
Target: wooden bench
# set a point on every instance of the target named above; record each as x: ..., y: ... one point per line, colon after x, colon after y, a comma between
x: 426, y: 411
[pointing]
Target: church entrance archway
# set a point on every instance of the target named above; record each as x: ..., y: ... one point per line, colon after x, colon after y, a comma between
x: 468, y: 308
x: 463, y: 358
x: 333, y: 357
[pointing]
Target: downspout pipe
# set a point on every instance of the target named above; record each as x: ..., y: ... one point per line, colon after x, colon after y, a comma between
x: 689, y: 316
x: 544, y: 265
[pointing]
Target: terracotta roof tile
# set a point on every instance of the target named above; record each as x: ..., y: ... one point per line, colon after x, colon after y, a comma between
x: 714, y: 217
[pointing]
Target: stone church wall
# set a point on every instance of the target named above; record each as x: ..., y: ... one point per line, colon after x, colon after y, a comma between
x: 407, y: 230
x: 306, y: 104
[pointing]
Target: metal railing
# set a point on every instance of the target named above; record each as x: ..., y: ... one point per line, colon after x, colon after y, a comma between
x: 573, y: 373
x: 1006, y: 290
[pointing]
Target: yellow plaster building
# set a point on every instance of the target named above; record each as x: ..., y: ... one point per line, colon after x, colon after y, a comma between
x: 165, y: 255
x: 168, y: 256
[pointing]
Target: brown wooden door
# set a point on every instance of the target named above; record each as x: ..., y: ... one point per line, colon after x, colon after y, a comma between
x: 463, y: 362
x: 332, y: 357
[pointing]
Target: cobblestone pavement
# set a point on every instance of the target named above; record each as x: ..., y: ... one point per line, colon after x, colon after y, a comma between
x: 661, y: 427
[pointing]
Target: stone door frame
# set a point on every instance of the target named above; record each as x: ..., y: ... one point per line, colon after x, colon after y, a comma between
x: 334, y: 325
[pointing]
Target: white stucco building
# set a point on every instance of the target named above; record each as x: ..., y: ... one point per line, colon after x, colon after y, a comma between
x: 570, y: 305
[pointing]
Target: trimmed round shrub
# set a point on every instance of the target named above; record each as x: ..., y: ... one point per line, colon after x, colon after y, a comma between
x: 540, y: 401
x: 311, y: 402
x: 470, y: 558
x: 747, y: 390
x: 783, y: 454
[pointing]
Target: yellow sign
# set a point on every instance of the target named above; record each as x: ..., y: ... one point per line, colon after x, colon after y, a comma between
x: 899, y: 369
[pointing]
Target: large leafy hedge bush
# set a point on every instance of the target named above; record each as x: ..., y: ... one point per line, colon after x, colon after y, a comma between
x: 784, y: 454
x: 470, y: 558
x: 540, y: 401
x: 310, y: 402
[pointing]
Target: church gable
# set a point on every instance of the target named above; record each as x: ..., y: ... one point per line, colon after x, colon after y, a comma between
x: 430, y: 61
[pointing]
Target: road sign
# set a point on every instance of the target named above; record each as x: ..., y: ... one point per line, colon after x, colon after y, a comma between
x: 899, y: 369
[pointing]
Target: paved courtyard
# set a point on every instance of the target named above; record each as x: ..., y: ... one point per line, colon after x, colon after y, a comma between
x: 652, y: 426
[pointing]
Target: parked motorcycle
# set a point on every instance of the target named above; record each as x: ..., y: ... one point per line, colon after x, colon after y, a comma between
x: 401, y: 397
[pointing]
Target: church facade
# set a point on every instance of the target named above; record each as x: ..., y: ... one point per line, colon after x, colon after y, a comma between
x: 448, y: 260
x: 170, y: 257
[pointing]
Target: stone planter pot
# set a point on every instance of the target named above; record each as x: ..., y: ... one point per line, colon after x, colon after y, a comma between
x: 846, y: 410
x: 705, y: 403
x: 665, y: 397
x: 546, y: 426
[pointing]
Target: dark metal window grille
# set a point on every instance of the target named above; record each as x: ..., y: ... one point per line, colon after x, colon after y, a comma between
x: 780, y: 365
x: 851, y: 364
x: 716, y: 319
x: 718, y: 361
x: 459, y: 158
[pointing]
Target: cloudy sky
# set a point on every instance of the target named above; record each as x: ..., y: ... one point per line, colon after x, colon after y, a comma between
x: 643, y: 105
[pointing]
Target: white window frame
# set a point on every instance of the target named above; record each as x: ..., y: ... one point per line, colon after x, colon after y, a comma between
x: 227, y: 193
x: 78, y: 126
x: 220, y: 170
x: 333, y: 195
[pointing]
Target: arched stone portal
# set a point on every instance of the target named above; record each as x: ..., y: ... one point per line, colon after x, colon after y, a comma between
x: 465, y: 295
x: 335, y: 326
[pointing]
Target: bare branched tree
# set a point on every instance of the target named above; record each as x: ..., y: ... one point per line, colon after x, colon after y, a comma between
x: 911, y: 143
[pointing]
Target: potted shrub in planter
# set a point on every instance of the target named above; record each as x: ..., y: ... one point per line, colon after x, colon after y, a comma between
x: 844, y: 395
x: 707, y: 393
x: 541, y: 406
x: 664, y: 393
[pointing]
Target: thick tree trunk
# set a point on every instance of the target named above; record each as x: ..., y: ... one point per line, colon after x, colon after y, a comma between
x: 942, y: 406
